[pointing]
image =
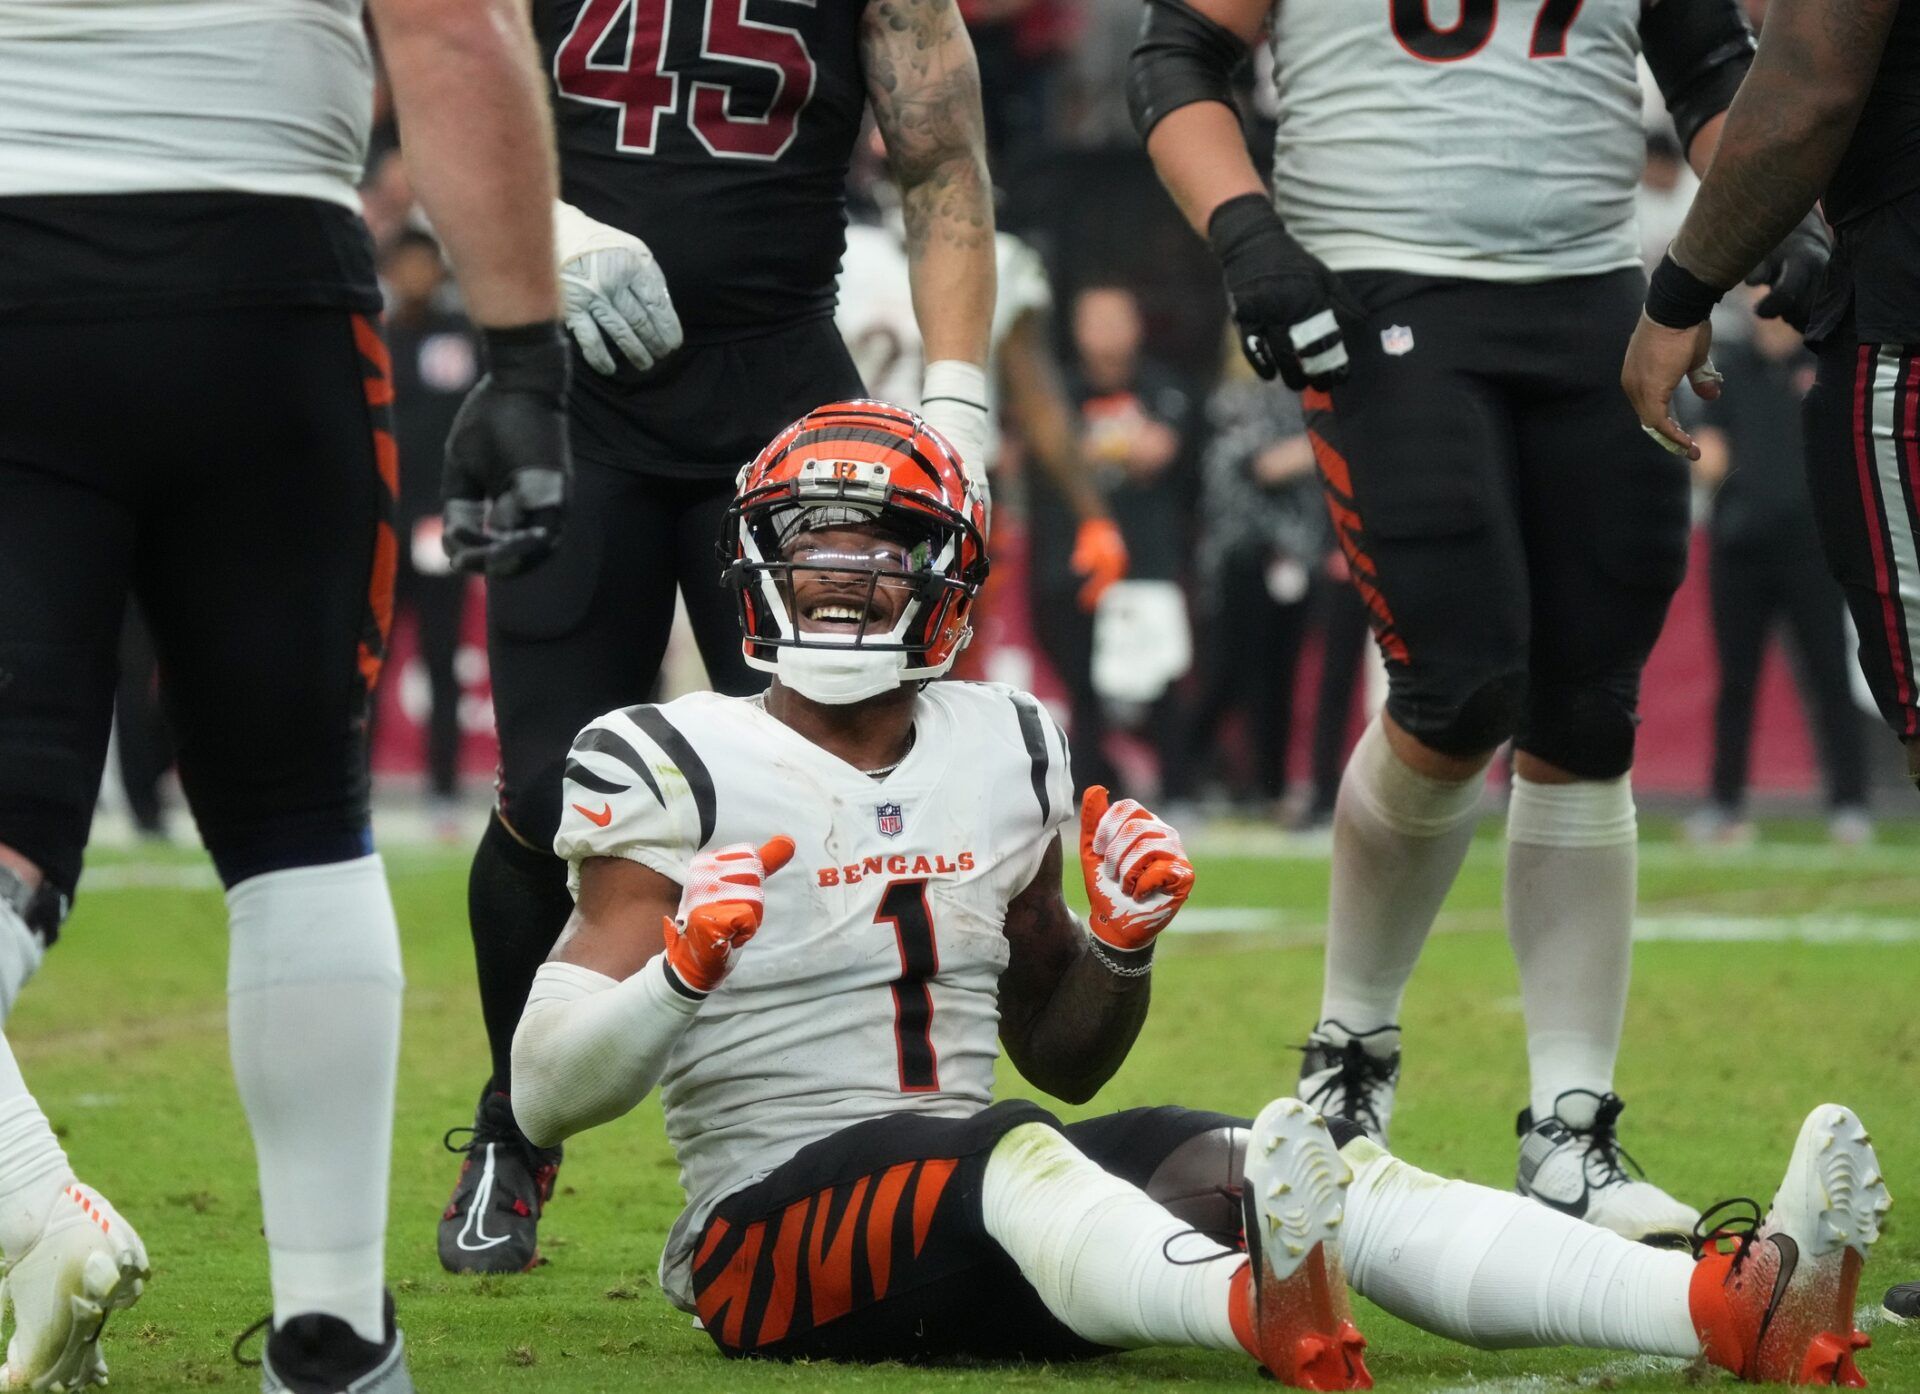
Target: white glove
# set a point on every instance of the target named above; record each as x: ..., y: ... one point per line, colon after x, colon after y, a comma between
x: 953, y: 400
x: 611, y: 285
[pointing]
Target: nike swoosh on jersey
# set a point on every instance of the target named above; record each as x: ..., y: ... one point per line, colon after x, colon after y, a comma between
x: 600, y: 819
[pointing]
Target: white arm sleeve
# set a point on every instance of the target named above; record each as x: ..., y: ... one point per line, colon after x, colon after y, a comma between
x: 589, y: 1047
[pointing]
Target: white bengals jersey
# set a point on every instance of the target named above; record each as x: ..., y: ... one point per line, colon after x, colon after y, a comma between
x: 875, y: 310
x: 147, y: 96
x: 873, y: 984
x: 1504, y: 147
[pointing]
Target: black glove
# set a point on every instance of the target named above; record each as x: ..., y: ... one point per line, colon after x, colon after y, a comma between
x: 508, y: 468
x: 1793, y: 271
x: 1284, y: 299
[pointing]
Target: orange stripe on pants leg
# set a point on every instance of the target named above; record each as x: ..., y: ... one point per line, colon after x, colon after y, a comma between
x: 886, y: 1201
x: 830, y: 1260
x: 729, y: 1291
x: 786, y: 1274
x: 934, y: 1176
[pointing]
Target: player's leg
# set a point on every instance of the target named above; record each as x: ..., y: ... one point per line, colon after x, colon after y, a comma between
x: 1606, y: 518
x: 1862, y: 460
x: 580, y: 635
x: 1815, y: 617
x: 713, y: 611
x: 266, y: 569
x: 1742, y: 607
x: 67, y: 532
x: 1415, y: 454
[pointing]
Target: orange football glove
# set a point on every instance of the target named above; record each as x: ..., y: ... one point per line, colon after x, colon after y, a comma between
x: 720, y: 909
x: 1137, y: 873
x: 1100, y: 555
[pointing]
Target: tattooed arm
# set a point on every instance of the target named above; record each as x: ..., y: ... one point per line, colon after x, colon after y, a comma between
x: 925, y: 89
x: 1066, y: 1019
x: 1785, y: 133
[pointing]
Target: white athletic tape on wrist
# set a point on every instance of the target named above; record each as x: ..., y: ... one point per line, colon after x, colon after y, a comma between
x: 1326, y: 361
x: 1312, y: 329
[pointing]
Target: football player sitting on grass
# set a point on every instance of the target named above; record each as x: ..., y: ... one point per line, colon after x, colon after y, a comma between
x: 813, y: 919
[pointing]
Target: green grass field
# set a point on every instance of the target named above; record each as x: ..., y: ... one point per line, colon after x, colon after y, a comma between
x: 1771, y: 980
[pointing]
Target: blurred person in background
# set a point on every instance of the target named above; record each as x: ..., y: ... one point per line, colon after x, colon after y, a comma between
x: 1767, y: 570
x: 436, y: 360
x: 1262, y: 542
x: 1132, y: 415
x: 1025, y: 389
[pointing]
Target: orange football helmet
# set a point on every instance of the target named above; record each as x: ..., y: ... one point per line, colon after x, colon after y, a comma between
x: 857, y: 464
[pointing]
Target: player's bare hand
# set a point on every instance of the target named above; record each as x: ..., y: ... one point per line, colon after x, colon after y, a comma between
x: 1657, y: 359
x: 721, y: 907
x: 613, y: 289
x: 1136, y: 871
x: 1100, y: 557
x: 1287, y: 305
x: 508, y: 467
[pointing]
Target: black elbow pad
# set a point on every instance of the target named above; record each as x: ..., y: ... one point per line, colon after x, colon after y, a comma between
x: 1699, y: 51
x: 1182, y: 58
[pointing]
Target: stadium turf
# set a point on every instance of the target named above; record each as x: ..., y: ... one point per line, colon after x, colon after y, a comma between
x: 1768, y: 981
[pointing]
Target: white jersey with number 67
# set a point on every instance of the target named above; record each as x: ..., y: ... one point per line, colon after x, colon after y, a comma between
x: 873, y: 984
x: 140, y: 96
x: 1495, y: 140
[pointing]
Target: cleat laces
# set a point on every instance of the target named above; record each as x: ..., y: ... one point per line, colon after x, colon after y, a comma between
x: 1349, y: 1092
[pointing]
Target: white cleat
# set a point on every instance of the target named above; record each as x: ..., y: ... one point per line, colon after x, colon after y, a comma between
x: 1572, y: 1162
x: 1294, y: 1198
x: 86, y: 1264
x: 1778, y: 1307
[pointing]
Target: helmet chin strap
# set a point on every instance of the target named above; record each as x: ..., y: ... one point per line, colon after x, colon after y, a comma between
x: 837, y: 677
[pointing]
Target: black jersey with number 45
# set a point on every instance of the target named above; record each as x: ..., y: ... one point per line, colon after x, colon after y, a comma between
x: 718, y: 132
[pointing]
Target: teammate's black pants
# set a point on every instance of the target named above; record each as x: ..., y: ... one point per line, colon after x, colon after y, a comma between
x: 580, y: 635
x: 234, y: 470
x: 1515, y: 535
x: 1756, y: 588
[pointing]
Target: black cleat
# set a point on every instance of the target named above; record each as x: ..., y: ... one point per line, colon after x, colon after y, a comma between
x: 1902, y: 1302
x: 320, y: 1354
x: 491, y: 1225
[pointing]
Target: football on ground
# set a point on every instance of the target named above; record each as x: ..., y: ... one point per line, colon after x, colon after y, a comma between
x: 1767, y: 980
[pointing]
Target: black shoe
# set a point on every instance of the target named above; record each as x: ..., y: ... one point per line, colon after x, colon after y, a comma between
x: 320, y: 1354
x: 492, y: 1223
x: 1902, y: 1302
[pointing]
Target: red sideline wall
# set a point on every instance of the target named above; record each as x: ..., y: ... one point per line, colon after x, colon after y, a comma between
x: 1677, y: 699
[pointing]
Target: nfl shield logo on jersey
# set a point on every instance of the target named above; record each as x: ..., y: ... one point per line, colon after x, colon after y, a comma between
x: 891, y: 821
x: 1396, y: 339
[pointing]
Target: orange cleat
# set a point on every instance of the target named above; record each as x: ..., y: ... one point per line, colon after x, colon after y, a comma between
x: 1290, y: 1302
x: 1773, y: 1299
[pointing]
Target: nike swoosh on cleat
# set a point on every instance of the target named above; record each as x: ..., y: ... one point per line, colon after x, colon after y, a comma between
x: 600, y: 819
x: 475, y: 1225
x: 1789, y: 1260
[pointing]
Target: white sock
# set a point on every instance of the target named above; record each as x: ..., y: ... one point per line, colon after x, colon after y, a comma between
x: 1398, y: 841
x: 1099, y: 1251
x: 313, y: 1016
x: 20, y: 953
x: 1493, y: 1269
x: 33, y: 1168
x: 1571, y: 867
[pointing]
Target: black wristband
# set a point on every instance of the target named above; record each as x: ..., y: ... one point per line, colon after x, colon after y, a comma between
x: 1677, y: 298
x: 1241, y: 219
x: 529, y: 357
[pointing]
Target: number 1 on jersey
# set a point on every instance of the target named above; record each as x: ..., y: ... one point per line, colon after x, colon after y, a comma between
x: 903, y: 904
